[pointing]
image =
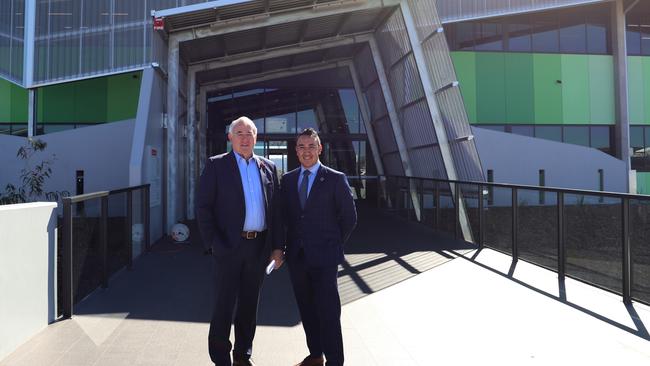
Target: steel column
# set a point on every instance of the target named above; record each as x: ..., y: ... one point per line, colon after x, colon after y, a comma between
x: 172, y: 138
x: 436, y: 117
x: 192, y: 153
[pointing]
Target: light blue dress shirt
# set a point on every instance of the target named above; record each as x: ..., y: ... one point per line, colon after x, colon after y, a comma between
x: 313, y: 170
x: 253, y: 196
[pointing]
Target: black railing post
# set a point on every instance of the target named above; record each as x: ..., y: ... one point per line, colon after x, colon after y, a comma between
x: 627, y: 257
x: 408, y: 199
x: 103, y: 239
x: 437, y: 217
x: 561, y: 246
x: 481, y: 217
x: 147, y: 223
x: 421, y: 198
x: 515, y: 212
x: 66, y: 260
x: 129, y: 228
x: 379, y: 191
x: 456, y: 201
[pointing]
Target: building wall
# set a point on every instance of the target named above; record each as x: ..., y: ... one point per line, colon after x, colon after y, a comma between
x: 28, y: 272
x: 101, y: 151
x: 533, y: 88
x: 517, y: 160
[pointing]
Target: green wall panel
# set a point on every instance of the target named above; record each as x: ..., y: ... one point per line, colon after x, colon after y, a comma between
x: 13, y: 103
x: 19, y: 103
x: 465, y: 65
x: 490, y: 87
x: 575, y: 89
x: 56, y: 104
x: 643, y: 183
x: 548, y: 93
x: 601, y: 89
x: 5, y: 101
x: 90, y: 100
x: 123, y: 92
x: 646, y: 88
x: 635, y: 89
x: 99, y: 100
x: 520, y: 106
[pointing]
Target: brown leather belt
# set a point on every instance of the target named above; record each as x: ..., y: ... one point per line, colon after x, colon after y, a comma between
x: 250, y: 235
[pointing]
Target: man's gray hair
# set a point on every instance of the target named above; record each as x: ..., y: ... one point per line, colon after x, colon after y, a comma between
x: 244, y: 120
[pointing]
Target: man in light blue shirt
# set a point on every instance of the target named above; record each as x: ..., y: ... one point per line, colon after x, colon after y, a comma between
x: 235, y: 201
x: 253, y: 196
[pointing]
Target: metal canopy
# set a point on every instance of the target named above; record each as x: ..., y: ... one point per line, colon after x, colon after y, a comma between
x: 256, y: 68
x: 227, y: 12
x: 281, y: 35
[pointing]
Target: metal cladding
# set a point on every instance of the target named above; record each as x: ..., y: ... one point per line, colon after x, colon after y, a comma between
x: 459, y: 10
x: 12, y: 35
x: 380, y: 123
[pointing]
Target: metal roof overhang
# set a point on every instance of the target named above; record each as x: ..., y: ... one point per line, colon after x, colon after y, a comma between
x: 270, y: 37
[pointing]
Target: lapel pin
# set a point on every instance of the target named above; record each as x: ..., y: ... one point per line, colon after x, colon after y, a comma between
x: 322, y: 179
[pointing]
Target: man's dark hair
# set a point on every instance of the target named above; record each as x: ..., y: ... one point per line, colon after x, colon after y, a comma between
x: 309, y: 132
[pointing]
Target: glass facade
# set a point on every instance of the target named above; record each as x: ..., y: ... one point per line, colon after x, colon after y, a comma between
x: 640, y: 145
x: 638, y: 30
x: 12, y: 35
x: 582, y: 30
x: 280, y: 113
x: 598, y: 137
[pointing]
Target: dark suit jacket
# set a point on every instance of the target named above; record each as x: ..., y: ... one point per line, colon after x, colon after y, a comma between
x: 324, y: 225
x: 221, y: 208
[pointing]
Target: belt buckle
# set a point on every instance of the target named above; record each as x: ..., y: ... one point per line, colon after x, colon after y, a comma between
x: 251, y: 235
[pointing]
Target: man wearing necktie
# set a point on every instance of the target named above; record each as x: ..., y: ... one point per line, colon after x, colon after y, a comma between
x: 318, y: 215
x: 235, y: 203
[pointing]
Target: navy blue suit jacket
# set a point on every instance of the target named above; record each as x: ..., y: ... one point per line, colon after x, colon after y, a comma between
x: 221, y: 209
x: 326, y: 222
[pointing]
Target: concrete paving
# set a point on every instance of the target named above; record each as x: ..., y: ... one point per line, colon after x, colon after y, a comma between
x: 409, y: 298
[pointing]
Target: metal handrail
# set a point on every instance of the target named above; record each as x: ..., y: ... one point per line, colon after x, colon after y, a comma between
x: 67, y: 245
x: 625, y: 199
x: 534, y: 188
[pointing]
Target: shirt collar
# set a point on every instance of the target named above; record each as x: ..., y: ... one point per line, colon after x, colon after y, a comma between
x: 313, y: 170
x: 241, y: 160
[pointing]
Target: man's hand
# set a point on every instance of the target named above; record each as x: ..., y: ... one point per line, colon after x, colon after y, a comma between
x: 278, y: 256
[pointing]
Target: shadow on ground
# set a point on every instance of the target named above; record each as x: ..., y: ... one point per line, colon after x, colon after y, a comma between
x: 173, y: 282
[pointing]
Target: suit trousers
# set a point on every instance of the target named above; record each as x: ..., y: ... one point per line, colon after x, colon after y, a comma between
x: 317, y: 295
x: 238, y: 278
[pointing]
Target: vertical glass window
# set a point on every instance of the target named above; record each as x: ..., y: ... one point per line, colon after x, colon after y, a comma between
x: 519, y: 38
x: 351, y: 109
x: 545, y: 33
x: 307, y: 119
x: 638, y: 147
x: 578, y: 135
x: 489, y: 35
x: 598, y: 30
x: 573, y: 31
x: 465, y: 36
x: 523, y: 130
x: 600, y: 138
x: 450, y: 35
x: 633, y: 34
x: 553, y: 133
x: 644, y: 27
